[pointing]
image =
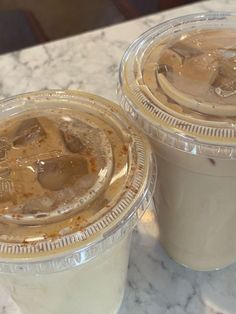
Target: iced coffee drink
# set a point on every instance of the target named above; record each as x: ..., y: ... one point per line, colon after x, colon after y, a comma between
x: 178, y: 82
x: 75, y: 176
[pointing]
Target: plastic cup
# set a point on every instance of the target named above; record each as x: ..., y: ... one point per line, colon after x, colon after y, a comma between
x: 75, y: 177
x: 177, y: 82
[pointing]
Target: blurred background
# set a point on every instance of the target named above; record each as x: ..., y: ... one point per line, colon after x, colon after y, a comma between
x: 25, y: 23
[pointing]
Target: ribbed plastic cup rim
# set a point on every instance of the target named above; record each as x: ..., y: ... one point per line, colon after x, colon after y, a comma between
x: 217, y: 139
x: 99, y: 236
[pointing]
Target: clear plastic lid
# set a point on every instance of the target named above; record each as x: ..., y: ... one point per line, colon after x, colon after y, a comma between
x: 178, y: 81
x: 75, y: 176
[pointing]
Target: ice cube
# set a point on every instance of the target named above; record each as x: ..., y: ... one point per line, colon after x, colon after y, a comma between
x: 202, y: 68
x: 225, y: 86
x: 228, y: 53
x: 32, y: 207
x: 72, y: 142
x: 29, y: 131
x: 39, y: 207
x: 228, y: 68
x: 185, y: 50
x: 57, y: 173
x: 87, y: 181
x: 171, y: 58
x: 224, y: 93
x: 4, y: 172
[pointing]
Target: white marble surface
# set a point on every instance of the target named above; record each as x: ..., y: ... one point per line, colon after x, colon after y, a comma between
x: 156, y: 285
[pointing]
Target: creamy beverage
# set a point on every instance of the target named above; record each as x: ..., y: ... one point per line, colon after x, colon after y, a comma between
x: 97, y: 286
x: 178, y: 83
x: 75, y: 177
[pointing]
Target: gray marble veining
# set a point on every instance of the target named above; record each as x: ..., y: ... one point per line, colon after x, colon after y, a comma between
x: 156, y: 284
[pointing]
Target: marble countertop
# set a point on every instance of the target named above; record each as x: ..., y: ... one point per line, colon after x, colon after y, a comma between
x: 156, y: 284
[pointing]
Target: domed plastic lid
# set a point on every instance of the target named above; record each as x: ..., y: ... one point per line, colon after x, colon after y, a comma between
x: 178, y: 80
x: 73, y: 173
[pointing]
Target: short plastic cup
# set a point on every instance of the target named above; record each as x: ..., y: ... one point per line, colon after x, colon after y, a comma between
x: 77, y: 177
x: 177, y: 82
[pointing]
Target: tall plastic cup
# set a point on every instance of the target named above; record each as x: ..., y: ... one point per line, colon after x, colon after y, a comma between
x: 75, y: 177
x: 177, y: 82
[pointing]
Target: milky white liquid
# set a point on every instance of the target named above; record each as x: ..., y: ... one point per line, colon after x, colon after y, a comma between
x: 196, y: 200
x: 95, y: 287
